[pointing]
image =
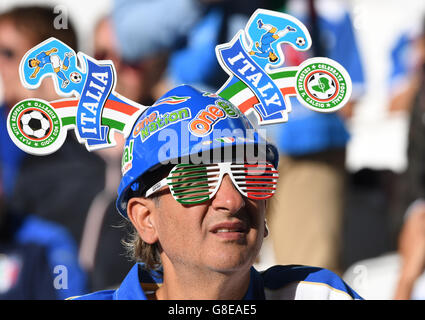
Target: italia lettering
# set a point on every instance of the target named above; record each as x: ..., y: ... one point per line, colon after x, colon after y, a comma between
x: 91, y: 105
x: 101, y: 77
x: 96, y: 86
x: 92, y: 95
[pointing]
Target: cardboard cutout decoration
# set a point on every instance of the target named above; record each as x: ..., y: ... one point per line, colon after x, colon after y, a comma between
x: 257, y: 84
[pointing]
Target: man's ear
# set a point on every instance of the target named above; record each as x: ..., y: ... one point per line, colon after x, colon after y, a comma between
x: 140, y: 212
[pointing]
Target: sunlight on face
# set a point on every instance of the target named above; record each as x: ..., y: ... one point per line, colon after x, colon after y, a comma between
x: 223, y: 234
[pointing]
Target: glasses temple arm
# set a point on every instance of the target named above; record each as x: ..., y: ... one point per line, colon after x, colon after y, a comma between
x: 157, y: 186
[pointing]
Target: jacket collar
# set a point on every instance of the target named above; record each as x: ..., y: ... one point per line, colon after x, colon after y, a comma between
x: 131, y: 287
x: 138, y: 277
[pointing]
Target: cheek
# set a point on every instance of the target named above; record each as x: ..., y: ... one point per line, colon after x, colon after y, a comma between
x: 177, y: 226
x: 257, y: 211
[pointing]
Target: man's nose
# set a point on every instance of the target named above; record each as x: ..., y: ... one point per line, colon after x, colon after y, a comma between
x: 228, y: 198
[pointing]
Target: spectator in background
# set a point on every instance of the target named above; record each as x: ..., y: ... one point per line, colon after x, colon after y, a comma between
x: 38, y: 259
x: 407, y: 56
x: 142, y: 31
x: 20, y: 30
x: 312, y: 147
x: 187, y: 38
x: 412, y: 253
x: 59, y: 187
x: 399, y: 274
x: 130, y: 82
x: 47, y: 186
x: 144, y: 38
x: 136, y: 77
x: 73, y: 186
x: 412, y: 236
x: 194, y: 60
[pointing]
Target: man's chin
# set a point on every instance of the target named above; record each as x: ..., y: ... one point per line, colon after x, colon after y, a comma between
x: 227, y: 262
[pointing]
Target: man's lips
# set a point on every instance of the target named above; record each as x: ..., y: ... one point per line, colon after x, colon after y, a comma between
x: 229, y: 229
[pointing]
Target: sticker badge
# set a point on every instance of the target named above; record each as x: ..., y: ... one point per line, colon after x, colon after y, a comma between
x: 203, y: 123
x: 91, y: 107
x: 323, y: 85
x: 154, y: 122
x: 127, y: 158
x: 226, y: 139
x: 258, y: 83
x: 171, y: 100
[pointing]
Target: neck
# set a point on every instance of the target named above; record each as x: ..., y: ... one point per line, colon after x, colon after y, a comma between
x: 182, y: 282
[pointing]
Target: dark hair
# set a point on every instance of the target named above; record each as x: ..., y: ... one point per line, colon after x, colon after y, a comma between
x: 37, y: 23
x: 29, y: 63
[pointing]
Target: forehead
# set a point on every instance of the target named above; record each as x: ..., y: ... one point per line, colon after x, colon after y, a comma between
x: 11, y: 35
x: 251, y: 154
x: 232, y: 152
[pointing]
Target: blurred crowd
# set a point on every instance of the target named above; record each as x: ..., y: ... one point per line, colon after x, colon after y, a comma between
x: 60, y: 234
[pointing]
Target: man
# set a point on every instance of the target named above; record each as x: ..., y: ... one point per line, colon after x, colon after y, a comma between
x: 411, y: 237
x: 46, y: 57
x: 61, y: 176
x: 17, y: 36
x: 200, y: 225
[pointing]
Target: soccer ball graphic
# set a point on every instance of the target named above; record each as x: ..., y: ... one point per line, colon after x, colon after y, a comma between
x: 321, y: 86
x: 75, y: 77
x: 35, y: 124
x: 300, y: 41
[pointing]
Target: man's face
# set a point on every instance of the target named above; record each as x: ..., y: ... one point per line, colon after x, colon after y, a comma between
x: 14, y: 43
x: 223, y: 234
x: 13, y: 46
x: 130, y: 79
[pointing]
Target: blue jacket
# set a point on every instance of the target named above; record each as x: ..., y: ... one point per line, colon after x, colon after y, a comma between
x: 276, y: 283
x: 38, y: 260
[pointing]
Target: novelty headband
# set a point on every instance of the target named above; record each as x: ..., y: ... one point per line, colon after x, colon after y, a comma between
x: 258, y: 84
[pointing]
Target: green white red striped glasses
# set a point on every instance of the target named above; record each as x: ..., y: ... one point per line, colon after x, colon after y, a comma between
x: 197, y: 183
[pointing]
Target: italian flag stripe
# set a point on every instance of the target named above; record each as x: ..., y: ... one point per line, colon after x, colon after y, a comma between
x: 240, y: 94
x: 239, y: 86
x: 115, y: 112
x: 113, y: 124
x: 66, y: 121
x: 244, y: 103
x: 121, y: 107
x: 110, y: 104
